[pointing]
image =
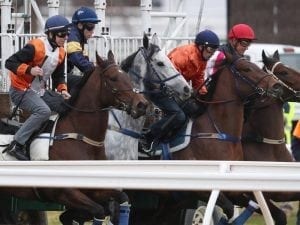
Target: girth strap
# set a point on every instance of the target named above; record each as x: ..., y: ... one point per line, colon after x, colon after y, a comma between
x: 259, y: 139
x: 76, y: 136
x: 273, y: 141
x: 220, y: 136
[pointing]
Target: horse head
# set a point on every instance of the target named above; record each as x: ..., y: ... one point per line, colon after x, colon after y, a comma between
x: 151, y: 69
x: 287, y: 75
x: 118, y: 90
x: 258, y: 81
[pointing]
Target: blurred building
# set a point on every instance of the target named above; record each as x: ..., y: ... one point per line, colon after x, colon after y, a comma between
x: 274, y: 21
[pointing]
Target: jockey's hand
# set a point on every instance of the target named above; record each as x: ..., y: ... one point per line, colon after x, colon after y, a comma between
x: 65, y: 94
x: 37, y: 71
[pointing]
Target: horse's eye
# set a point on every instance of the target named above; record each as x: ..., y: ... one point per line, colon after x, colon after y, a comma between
x: 113, y: 78
x: 160, y: 64
x: 247, y: 70
x: 283, y: 73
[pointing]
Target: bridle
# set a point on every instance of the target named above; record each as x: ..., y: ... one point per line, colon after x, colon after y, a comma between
x: 122, y: 105
x: 159, y: 83
x: 271, y: 72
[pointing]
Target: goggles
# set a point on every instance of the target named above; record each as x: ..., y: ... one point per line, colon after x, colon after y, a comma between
x: 62, y: 34
x: 210, y: 49
x: 89, y: 26
x: 245, y: 43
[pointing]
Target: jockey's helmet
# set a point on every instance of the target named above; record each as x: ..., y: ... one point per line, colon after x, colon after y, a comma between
x: 85, y: 15
x: 57, y: 24
x: 207, y: 38
x: 241, y: 31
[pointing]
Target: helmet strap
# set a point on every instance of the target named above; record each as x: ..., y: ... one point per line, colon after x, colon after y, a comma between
x: 51, y: 39
x: 80, y: 27
x: 201, y: 51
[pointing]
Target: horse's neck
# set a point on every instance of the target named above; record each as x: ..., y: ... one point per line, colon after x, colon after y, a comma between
x: 227, y: 115
x: 267, y: 122
x: 86, y: 115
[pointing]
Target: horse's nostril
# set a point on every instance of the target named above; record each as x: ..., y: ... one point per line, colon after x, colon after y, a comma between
x: 277, y: 89
x: 142, y: 106
x: 277, y: 86
x: 186, y: 89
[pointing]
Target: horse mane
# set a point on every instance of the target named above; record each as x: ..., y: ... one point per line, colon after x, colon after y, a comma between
x: 126, y: 63
x: 75, y: 91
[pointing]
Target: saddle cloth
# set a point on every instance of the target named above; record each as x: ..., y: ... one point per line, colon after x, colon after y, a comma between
x: 39, y: 147
x: 180, y: 141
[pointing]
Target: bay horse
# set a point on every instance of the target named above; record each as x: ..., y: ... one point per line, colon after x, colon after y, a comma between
x: 263, y: 132
x: 216, y: 134
x: 107, y: 86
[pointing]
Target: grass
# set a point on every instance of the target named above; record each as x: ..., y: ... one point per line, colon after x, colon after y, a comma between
x: 256, y: 219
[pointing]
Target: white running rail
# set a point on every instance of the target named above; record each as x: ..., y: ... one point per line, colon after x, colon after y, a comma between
x: 214, y: 176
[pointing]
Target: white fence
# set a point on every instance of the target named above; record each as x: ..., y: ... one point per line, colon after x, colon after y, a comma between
x: 121, y: 47
x: 214, y: 176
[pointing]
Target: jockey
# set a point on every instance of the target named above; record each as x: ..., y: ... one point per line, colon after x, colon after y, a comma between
x: 190, y: 61
x: 240, y: 37
x: 84, y: 20
x: 30, y: 68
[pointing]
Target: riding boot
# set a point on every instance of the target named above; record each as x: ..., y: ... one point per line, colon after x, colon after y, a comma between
x: 244, y: 216
x: 124, y: 213
x: 17, y: 150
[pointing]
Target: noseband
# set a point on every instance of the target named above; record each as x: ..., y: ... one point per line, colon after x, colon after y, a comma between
x: 271, y: 72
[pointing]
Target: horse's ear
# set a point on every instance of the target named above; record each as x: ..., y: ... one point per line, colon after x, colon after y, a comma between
x: 145, y: 41
x: 111, y: 56
x: 276, y: 55
x: 263, y: 55
x: 99, y: 59
x: 155, y: 40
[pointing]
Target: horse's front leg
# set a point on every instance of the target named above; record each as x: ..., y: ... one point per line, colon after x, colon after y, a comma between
x: 80, y: 202
x: 116, y: 204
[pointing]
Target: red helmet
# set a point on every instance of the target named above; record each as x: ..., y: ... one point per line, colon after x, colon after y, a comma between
x: 241, y: 31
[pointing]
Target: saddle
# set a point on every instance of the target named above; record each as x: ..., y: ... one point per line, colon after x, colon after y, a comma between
x: 38, y: 144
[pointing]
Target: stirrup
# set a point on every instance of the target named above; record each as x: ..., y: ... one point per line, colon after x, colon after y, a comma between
x: 10, y: 147
x: 150, y: 147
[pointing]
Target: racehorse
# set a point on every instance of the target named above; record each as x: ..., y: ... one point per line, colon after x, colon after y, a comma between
x: 263, y: 131
x: 216, y: 133
x: 107, y: 86
x: 148, y: 67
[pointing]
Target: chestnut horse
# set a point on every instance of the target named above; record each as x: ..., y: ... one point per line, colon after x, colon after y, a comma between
x: 107, y: 86
x: 216, y: 134
x: 263, y: 131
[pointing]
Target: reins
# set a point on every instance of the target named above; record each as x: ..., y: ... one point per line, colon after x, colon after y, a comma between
x: 258, y: 138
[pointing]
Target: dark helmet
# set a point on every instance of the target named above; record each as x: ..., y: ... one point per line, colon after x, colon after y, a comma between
x: 56, y: 24
x: 241, y: 31
x: 207, y: 37
x: 85, y: 15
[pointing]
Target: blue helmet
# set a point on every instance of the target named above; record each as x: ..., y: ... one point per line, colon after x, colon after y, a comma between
x: 56, y: 23
x: 85, y: 15
x: 207, y: 37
